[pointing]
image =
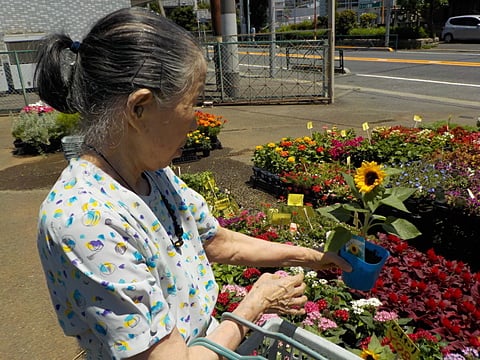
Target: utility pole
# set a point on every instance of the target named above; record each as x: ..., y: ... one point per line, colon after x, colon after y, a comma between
x: 387, y: 23
x: 230, y: 61
x: 273, y: 38
x: 331, y: 51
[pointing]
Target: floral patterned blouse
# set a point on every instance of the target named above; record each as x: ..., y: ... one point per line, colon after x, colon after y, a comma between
x: 116, y: 281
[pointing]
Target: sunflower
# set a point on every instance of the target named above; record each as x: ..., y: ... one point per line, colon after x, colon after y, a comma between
x: 354, y: 249
x: 369, y: 355
x: 369, y: 176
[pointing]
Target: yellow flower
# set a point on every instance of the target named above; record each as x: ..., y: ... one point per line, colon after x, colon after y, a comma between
x: 291, y: 159
x: 271, y: 145
x: 258, y: 147
x: 369, y: 176
x: 354, y: 249
x: 278, y: 149
x: 369, y: 355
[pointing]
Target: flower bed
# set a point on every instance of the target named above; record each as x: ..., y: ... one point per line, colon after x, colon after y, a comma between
x: 434, y: 301
x: 440, y: 162
x: 202, y: 140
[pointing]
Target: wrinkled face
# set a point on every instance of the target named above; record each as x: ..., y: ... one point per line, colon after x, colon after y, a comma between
x: 166, y: 129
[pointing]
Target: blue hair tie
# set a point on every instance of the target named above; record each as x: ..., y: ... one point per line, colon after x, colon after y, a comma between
x: 75, y: 47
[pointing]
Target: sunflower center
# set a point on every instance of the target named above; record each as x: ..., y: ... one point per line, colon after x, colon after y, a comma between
x: 370, y: 178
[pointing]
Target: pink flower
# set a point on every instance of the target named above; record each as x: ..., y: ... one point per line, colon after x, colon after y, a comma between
x: 325, y: 324
x: 265, y: 317
x: 281, y: 273
x: 311, y: 306
x: 384, y: 316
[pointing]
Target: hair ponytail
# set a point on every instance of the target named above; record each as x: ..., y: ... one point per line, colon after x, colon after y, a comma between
x: 53, y: 73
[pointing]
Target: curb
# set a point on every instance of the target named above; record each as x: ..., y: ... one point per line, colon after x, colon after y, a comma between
x: 366, y: 48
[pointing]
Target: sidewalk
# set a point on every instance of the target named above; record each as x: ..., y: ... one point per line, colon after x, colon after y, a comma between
x: 29, y: 326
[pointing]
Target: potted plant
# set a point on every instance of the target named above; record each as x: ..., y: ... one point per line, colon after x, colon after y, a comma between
x: 369, y: 190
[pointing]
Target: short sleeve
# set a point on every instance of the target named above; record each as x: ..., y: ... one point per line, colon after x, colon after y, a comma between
x: 104, y: 271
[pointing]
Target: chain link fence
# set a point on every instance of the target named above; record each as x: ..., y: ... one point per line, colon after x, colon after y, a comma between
x: 238, y: 73
x: 267, y: 72
x: 17, y: 69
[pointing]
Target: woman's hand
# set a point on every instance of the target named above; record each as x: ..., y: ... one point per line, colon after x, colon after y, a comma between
x: 282, y: 295
x: 329, y: 259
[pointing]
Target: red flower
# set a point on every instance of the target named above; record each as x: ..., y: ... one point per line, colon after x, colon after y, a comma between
x: 431, y: 303
x: 466, y: 276
x: 341, y: 314
x: 474, y: 341
x: 431, y: 255
x: 249, y: 273
x: 223, y: 298
x: 322, y: 304
x: 393, y: 297
x: 232, y: 306
x: 469, y: 306
x: 301, y: 147
x: 316, y: 188
x: 396, y: 274
x: 320, y: 149
x: 401, y: 247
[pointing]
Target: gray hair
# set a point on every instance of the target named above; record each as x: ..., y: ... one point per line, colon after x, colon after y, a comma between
x: 125, y: 51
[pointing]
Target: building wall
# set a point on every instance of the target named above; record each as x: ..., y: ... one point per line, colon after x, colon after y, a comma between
x: 44, y: 16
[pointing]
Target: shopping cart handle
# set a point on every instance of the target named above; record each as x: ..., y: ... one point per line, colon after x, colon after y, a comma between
x: 226, y: 353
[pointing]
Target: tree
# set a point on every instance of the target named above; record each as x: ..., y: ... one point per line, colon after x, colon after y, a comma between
x: 345, y: 21
x: 185, y: 17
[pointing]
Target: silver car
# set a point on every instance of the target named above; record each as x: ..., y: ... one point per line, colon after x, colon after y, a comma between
x: 465, y: 27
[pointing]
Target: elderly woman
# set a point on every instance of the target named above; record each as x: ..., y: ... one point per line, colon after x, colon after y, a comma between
x: 125, y: 245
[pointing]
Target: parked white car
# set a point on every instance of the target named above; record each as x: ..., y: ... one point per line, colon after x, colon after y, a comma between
x: 465, y: 27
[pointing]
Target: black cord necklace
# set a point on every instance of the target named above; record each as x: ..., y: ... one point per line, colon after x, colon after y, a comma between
x: 171, y: 212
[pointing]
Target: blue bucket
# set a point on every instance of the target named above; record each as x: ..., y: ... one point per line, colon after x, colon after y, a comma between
x: 364, y: 275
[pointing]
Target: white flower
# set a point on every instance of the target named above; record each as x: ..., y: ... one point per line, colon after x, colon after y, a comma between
x: 297, y: 270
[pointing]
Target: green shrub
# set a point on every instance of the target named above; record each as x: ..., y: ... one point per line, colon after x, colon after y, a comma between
x: 409, y: 32
x: 42, y: 131
x: 67, y: 123
x: 345, y: 21
x: 367, y: 20
x: 36, y: 130
x: 379, y: 31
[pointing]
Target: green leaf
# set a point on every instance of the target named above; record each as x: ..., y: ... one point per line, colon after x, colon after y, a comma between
x: 394, y: 202
x: 392, y: 171
x: 402, y: 193
x: 351, y: 184
x: 337, y: 238
x: 404, y: 229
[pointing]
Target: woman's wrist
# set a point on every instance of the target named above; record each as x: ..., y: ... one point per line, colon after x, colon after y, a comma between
x: 251, y: 307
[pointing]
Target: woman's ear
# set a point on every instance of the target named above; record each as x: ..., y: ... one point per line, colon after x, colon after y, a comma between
x: 137, y: 102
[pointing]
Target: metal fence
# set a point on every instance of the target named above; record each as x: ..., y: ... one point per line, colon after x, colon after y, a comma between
x: 267, y: 72
x: 238, y: 73
x: 16, y: 80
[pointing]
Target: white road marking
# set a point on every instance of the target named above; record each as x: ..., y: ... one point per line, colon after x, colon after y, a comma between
x: 419, y: 80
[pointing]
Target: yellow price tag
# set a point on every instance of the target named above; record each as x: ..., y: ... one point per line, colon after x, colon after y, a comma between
x: 417, y: 118
x: 343, y: 133
x: 281, y: 219
x: 295, y: 200
x: 309, y: 125
x: 365, y: 126
x: 403, y: 345
x: 222, y: 204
